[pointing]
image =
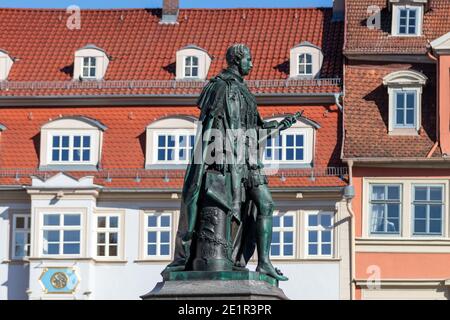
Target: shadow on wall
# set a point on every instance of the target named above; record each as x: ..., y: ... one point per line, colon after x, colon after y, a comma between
x: 18, y: 282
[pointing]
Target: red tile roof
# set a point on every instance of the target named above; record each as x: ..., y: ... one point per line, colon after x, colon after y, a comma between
x: 366, y: 114
x: 362, y: 40
x: 124, y: 145
x: 143, y: 49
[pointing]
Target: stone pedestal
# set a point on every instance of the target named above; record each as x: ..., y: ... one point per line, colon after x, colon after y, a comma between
x: 232, y: 285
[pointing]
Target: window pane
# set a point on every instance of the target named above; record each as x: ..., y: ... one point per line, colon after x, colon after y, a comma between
x: 86, y: 141
x: 299, y: 140
x: 151, y: 250
x: 301, y: 58
x: 289, y: 154
x: 170, y: 154
x: 435, y: 226
x: 55, y: 141
x: 400, y: 116
x: 393, y: 211
x: 312, y: 249
x: 77, y: 141
x: 165, y: 221
x: 313, y: 220
x: 325, y: 221
x: 101, y: 237
x: 194, y: 72
x: 275, y: 249
x: 326, y: 249
x: 113, y: 251
x: 71, y: 236
x: 71, y: 248
x: 20, y: 238
x: 165, y: 237
x: 161, y: 141
x: 435, y: 212
x: 420, y: 193
x: 299, y: 155
x: 92, y: 72
x: 420, y: 226
x: 420, y: 211
x: 410, y: 100
x: 51, y: 236
x: 309, y: 69
x: 52, y: 248
x: 152, y: 221
x: 171, y: 141
x: 161, y: 155
x: 288, y: 250
x: 101, y: 222
x: 288, y: 237
x: 410, y: 117
x: 165, y: 250
x: 436, y: 193
x: 51, y: 219
x: 326, y: 236
x: 276, y: 237
x: 308, y: 58
x: 394, y: 193
x: 276, y: 221
x: 72, y: 219
x: 65, y: 141
x: 101, y: 251
x: 289, y: 140
x: 113, y: 222
x: 151, y: 237
x: 113, y: 238
x: 85, y: 61
x: 288, y: 221
x: 76, y: 155
x: 55, y: 155
x: 377, y: 218
x: 65, y: 155
x: 20, y: 222
x: 378, y: 193
x: 19, y: 251
x: 312, y: 236
x: 86, y: 155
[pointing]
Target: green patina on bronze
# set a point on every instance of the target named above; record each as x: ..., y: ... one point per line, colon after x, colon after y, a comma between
x: 220, y: 275
x: 226, y: 210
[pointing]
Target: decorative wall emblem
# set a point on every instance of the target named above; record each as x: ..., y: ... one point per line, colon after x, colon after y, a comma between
x: 59, y: 280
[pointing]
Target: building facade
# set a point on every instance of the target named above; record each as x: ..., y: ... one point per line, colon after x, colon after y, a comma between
x: 396, y: 123
x: 97, y: 123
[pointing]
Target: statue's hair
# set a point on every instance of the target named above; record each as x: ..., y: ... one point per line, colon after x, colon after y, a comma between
x: 236, y: 51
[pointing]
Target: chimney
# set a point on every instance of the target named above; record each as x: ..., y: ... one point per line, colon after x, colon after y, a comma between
x: 338, y: 10
x: 170, y: 11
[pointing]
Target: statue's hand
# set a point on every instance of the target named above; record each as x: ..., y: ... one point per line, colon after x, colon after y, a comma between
x: 287, y: 122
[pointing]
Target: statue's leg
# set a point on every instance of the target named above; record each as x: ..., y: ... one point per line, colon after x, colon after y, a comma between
x: 264, y: 224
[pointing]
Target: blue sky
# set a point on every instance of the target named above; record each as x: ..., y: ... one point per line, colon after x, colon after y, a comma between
x: 157, y: 3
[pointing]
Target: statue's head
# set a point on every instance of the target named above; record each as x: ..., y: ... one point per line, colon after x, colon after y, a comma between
x: 239, y: 55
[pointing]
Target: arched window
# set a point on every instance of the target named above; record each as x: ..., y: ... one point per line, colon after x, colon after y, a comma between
x: 170, y: 142
x: 6, y: 63
x: 91, y: 63
x: 193, y: 62
x: 71, y: 143
x: 305, y: 60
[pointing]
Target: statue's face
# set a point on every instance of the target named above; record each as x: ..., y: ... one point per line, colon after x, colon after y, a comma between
x: 245, y: 64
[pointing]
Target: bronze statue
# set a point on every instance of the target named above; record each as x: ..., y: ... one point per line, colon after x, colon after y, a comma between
x: 224, y: 191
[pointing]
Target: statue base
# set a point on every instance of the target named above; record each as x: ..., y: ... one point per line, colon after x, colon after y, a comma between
x: 222, y: 285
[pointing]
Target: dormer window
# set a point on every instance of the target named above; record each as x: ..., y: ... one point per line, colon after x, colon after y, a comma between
x: 306, y: 61
x: 191, y: 67
x: 170, y: 142
x: 71, y: 143
x: 405, y: 101
x: 407, y: 17
x: 192, y: 63
x: 6, y: 63
x: 91, y: 63
x: 305, y: 65
x: 89, y: 67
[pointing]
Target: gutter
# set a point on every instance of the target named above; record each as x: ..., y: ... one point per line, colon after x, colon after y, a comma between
x: 174, y: 190
x: 352, y: 233
x: 160, y: 100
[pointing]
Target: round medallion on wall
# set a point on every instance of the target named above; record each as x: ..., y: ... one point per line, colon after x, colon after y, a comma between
x: 59, y: 280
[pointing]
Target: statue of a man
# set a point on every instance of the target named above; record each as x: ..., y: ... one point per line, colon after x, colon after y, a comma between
x: 227, y: 106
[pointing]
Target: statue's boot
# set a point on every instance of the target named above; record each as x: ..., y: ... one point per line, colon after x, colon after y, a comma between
x: 263, y: 242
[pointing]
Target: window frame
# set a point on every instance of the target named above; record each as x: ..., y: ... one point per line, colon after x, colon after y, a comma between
x: 427, y: 203
x: 281, y: 229
x: 396, y: 12
x: 405, y: 93
x: 386, y: 202
x: 61, y: 228
x: 408, y: 10
x: 71, y: 134
x: 89, y: 67
x: 191, y: 67
x: 319, y: 229
x: 146, y: 229
x: 26, y: 230
x: 107, y: 230
x: 308, y: 146
x: 305, y: 64
x: 177, y: 134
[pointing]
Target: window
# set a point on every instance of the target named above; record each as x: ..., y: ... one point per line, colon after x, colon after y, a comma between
x: 89, y: 67
x: 21, y: 236
x: 385, y: 207
x: 158, y: 235
x: 320, y: 234
x: 283, y: 236
x: 61, y: 234
x: 428, y: 210
x: 288, y: 147
x: 405, y: 108
x: 305, y: 64
x: 408, y: 21
x: 191, y: 67
x: 6, y: 63
x: 71, y: 148
x: 176, y: 148
x: 108, y: 236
